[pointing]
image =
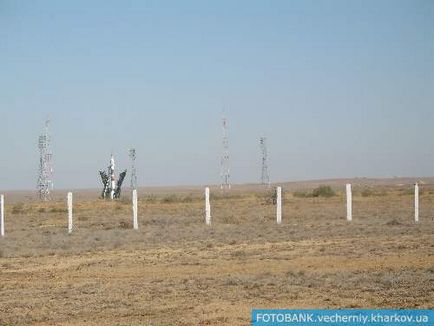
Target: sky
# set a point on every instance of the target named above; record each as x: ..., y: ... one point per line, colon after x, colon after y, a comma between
x: 339, y: 88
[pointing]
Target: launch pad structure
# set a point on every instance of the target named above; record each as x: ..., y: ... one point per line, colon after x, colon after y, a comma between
x: 224, y: 161
x: 111, y: 187
x: 45, y: 173
x: 133, y: 181
x: 265, y: 177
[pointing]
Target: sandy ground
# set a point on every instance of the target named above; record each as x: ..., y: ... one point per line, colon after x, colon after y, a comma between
x: 177, y: 271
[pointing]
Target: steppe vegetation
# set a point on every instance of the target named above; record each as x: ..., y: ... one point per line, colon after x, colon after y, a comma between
x: 176, y: 270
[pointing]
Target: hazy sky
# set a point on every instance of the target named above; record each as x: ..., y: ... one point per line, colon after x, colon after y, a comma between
x: 340, y: 88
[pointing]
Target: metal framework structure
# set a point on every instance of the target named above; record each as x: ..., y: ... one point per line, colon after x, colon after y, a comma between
x: 133, y: 182
x: 111, y: 187
x: 224, y: 161
x: 265, y: 177
x: 45, y: 173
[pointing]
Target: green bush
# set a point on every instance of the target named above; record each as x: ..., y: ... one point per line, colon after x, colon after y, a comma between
x: 323, y: 191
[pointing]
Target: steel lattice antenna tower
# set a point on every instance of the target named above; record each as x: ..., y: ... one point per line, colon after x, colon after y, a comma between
x: 265, y: 178
x: 133, y: 184
x: 224, y: 162
x: 45, y: 177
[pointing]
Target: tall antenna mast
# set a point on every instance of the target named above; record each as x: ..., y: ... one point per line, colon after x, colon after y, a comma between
x: 133, y: 184
x: 224, y: 162
x: 45, y: 175
x: 265, y: 178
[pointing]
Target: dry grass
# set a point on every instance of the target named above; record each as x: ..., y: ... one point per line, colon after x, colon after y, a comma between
x: 177, y: 271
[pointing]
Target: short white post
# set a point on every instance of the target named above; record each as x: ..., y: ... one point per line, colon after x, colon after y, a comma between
x: 349, y: 203
x: 279, y: 205
x: 135, y: 222
x: 416, y: 203
x: 69, y: 212
x: 2, y: 213
x: 207, y: 207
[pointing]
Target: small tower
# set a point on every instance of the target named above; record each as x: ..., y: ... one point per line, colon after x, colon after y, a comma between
x: 45, y: 172
x: 133, y: 183
x: 265, y: 178
x: 224, y: 161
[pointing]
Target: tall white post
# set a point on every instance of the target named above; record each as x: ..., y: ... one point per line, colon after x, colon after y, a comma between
x: 207, y: 207
x: 349, y: 203
x: 279, y: 205
x: 69, y: 212
x: 2, y: 217
x: 416, y: 203
x: 135, y: 222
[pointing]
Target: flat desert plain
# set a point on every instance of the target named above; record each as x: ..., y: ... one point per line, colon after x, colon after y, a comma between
x: 175, y: 270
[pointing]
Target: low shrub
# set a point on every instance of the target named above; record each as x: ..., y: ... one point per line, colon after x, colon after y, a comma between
x: 58, y: 210
x: 187, y: 199
x: 301, y: 194
x: 18, y: 208
x: 151, y: 198
x: 169, y: 199
x: 323, y: 191
x: 372, y: 193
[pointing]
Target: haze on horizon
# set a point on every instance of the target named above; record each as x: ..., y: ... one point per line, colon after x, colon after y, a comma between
x: 339, y: 88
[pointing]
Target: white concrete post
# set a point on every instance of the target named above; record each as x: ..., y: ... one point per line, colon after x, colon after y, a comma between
x: 349, y: 203
x: 69, y: 212
x: 279, y: 205
x: 416, y: 203
x: 135, y: 222
x: 207, y: 207
x: 2, y: 217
